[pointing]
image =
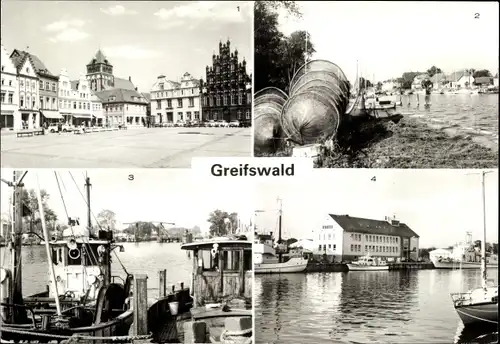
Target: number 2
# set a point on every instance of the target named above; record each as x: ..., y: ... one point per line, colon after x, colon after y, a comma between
x: 476, y: 15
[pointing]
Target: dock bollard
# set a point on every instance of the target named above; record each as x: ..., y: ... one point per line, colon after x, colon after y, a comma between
x: 140, y: 299
x: 162, y: 280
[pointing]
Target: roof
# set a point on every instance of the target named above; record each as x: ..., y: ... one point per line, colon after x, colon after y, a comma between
x: 483, y: 80
x: 457, y: 75
x: 19, y: 56
x: 121, y: 96
x: 125, y: 84
x: 99, y: 58
x: 368, y: 226
x: 147, y: 96
x: 221, y: 241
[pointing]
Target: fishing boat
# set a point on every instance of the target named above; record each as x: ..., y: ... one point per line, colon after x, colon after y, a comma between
x: 221, y: 291
x: 460, y: 263
x: 368, y: 263
x: 83, y: 297
x: 479, y: 306
x: 268, y: 254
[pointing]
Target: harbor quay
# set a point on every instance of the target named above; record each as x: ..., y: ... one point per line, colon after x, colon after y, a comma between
x: 136, y: 147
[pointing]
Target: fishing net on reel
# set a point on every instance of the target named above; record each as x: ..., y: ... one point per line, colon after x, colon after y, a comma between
x: 318, y: 66
x: 268, y: 105
x: 310, y: 117
x: 320, y: 76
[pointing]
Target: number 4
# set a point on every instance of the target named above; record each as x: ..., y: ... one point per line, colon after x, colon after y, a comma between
x: 374, y: 179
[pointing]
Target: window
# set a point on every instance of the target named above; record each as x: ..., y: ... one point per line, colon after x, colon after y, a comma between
x: 179, y: 102
x: 11, y: 95
x: 240, y: 99
x: 169, y: 103
x: 2, y: 98
x: 191, y: 102
x: 224, y: 99
x: 54, y: 86
x: 21, y: 82
x: 233, y: 100
x: 74, y: 105
x: 179, y: 114
x: 239, y: 114
x: 352, y: 247
x: 3, y: 81
x: 188, y: 115
x: 212, y: 101
x: 196, y: 115
x: 27, y: 84
x: 10, y: 82
x: 247, y: 114
x: 47, y: 86
x: 3, y: 67
x: 27, y: 70
x: 158, y: 104
x: 33, y: 103
x: 217, y: 100
x: 41, y: 103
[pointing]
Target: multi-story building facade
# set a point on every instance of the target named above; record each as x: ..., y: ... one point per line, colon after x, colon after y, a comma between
x: 9, y: 101
x: 227, y: 92
x: 345, y: 238
x: 27, y: 89
x: 75, y: 100
x: 48, y: 85
x: 121, y: 102
x: 173, y: 101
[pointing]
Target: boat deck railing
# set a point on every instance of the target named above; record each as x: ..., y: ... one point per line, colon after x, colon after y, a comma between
x: 461, y: 299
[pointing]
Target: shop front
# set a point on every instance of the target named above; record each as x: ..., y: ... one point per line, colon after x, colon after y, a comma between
x: 82, y: 119
x: 97, y: 120
x: 30, y: 119
x: 7, y: 119
x: 50, y: 117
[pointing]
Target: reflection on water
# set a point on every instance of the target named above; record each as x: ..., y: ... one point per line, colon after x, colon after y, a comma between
x: 468, y: 113
x: 361, y: 307
x: 145, y: 258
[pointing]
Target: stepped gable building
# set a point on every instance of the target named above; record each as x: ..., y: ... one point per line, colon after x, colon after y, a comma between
x: 28, y: 112
x: 121, y: 102
x: 227, y: 92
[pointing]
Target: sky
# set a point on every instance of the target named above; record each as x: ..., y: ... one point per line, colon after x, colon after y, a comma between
x: 141, y: 39
x: 157, y: 195
x: 439, y: 205
x: 390, y: 38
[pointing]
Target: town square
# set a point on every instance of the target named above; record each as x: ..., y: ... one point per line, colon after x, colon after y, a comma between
x: 115, y: 101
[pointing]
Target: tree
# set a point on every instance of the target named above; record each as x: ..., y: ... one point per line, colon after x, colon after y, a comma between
x: 433, y: 71
x: 408, y: 78
x: 219, y: 225
x: 142, y: 230
x: 480, y: 73
x: 379, y: 86
x: 30, y: 200
x: 272, y: 48
x: 107, y: 219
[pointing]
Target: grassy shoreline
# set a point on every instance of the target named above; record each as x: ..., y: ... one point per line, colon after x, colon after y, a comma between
x: 409, y: 143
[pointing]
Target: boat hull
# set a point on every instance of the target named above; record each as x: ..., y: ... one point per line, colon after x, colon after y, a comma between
x: 462, y: 265
x: 486, y: 313
x: 294, y: 265
x: 354, y: 267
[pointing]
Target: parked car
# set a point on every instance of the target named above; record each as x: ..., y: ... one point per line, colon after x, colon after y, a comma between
x: 195, y: 123
x: 180, y: 124
x: 67, y: 128
x: 234, y: 124
x: 52, y: 128
x: 222, y: 123
x: 211, y: 123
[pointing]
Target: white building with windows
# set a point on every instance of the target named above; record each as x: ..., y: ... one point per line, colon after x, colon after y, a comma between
x: 75, y: 100
x: 173, y: 101
x: 9, y: 101
x: 347, y: 238
x: 27, y: 81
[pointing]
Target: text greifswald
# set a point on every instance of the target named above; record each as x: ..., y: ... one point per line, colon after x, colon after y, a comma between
x: 245, y: 170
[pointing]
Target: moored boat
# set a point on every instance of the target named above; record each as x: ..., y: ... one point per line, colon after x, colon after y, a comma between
x: 368, y: 263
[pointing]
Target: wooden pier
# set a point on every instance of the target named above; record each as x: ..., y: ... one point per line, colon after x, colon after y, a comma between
x: 340, y: 267
x: 411, y: 266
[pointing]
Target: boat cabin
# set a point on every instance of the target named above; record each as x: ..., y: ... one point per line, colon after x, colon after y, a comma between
x: 369, y: 261
x: 81, y: 265
x: 222, y: 270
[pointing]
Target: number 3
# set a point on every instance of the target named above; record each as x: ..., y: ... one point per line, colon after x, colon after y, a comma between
x: 130, y: 177
x: 476, y: 15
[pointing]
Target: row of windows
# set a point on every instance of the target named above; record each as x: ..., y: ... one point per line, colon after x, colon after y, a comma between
x: 328, y: 227
x: 216, y: 115
x: 48, y: 104
x: 174, y: 93
x: 180, y: 115
x: 224, y: 98
x: 324, y: 236
x: 66, y: 104
x: 375, y: 238
x: 28, y: 83
x: 47, y: 86
x: 381, y: 249
x: 179, y: 103
x: 10, y: 98
x: 217, y: 78
x: 28, y: 104
x: 11, y: 83
x: 330, y: 247
x: 120, y: 107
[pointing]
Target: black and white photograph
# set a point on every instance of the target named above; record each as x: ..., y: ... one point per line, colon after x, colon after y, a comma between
x: 145, y: 256
x: 377, y: 256
x: 102, y: 84
x: 377, y: 84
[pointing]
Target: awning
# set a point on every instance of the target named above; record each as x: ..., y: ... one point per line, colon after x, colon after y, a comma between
x: 82, y: 115
x: 51, y: 114
x: 98, y: 116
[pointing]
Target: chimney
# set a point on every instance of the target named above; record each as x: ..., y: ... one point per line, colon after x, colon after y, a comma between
x: 130, y: 78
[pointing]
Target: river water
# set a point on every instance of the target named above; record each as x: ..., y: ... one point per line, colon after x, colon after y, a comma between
x: 364, y: 307
x: 468, y: 114
x: 145, y: 258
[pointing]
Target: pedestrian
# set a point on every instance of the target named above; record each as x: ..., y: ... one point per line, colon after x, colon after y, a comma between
x: 59, y: 128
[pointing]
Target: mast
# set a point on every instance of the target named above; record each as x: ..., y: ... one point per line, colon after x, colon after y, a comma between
x: 47, y: 246
x: 483, y: 246
x: 279, y: 229
x: 89, y: 212
x: 19, y: 314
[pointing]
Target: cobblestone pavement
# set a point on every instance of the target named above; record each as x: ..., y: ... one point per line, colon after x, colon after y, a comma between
x: 135, y: 147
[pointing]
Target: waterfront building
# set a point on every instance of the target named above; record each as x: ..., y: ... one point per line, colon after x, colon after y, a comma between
x: 346, y: 238
x: 483, y: 81
x: 121, y: 102
x: 173, y: 101
x: 27, y: 82
x: 9, y: 101
x: 460, y: 79
x: 227, y: 92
